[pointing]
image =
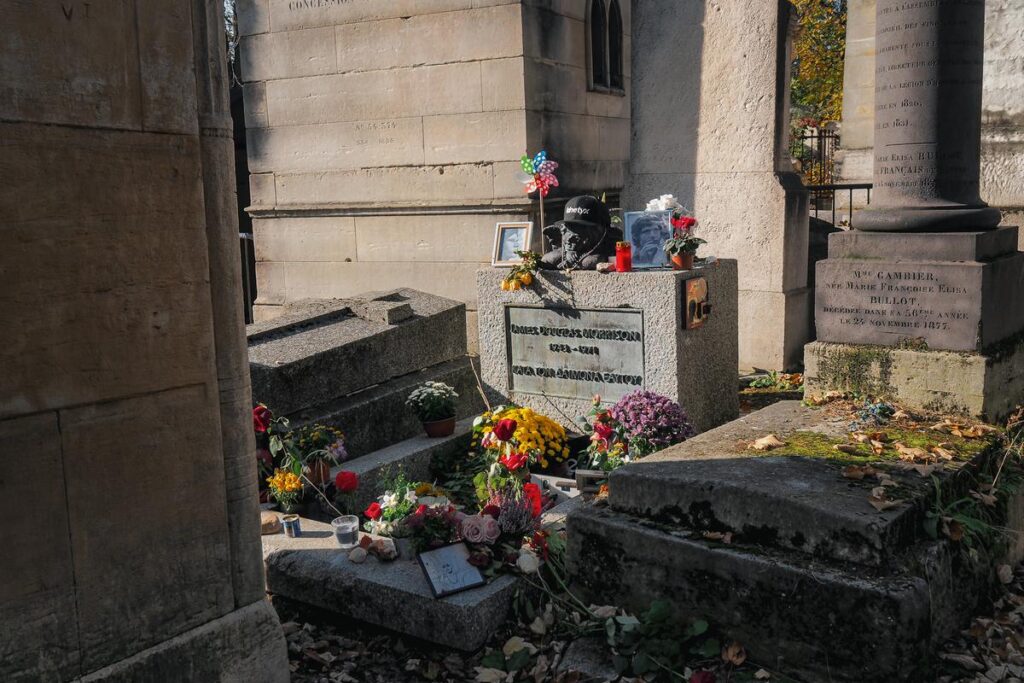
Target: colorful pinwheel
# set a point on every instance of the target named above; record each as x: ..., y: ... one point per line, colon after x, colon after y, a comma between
x: 538, y: 173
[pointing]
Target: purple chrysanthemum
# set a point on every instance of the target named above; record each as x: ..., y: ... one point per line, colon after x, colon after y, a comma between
x: 657, y: 419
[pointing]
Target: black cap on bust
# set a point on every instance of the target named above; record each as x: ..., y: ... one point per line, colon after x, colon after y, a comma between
x: 586, y: 209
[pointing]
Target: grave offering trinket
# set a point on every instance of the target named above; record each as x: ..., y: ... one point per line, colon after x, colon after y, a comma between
x: 583, y: 238
x: 623, y: 257
x: 292, y: 528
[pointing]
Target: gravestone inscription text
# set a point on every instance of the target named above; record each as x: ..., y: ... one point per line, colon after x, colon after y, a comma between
x: 575, y: 353
x: 874, y: 302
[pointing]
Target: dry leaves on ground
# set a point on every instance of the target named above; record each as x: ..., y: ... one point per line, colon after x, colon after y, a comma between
x: 880, y: 500
x: 767, y: 443
x: 734, y: 654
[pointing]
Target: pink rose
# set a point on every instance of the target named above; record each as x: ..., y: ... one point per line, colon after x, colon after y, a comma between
x: 491, y: 529
x: 472, y: 529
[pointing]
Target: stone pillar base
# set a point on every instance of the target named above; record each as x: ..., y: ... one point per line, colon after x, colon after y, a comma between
x: 243, y: 646
x: 987, y: 385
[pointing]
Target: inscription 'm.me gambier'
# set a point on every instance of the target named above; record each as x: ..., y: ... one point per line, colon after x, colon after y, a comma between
x: 886, y: 303
x: 546, y: 356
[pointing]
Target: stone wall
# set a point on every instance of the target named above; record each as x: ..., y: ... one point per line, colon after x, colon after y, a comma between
x: 131, y: 541
x: 708, y: 126
x: 1002, y: 155
x: 384, y: 137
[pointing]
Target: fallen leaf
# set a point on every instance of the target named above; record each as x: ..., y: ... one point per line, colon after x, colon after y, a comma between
x: 953, y: 529
x: 910, y: 453
x: 880, y: 500
x: 858, y: 472
x: 1005, y: 574
x: 900, y: 415
x: 943, y: 451
x: 860, y: 438
x: 725, y: 537
x: 964, y: 661
x: 926, y: 470
x: 887, y: 481
x: 487, y: 675
x: 538, y: 626
x: 603, y: 611
x: 877, y: 447
x: 734, y: 654
x: 762, y: 675
x: 879, y: 436
x: 766, y: 443
x: 944, y: 426
x: 515, y: 644
x: 845, y: 448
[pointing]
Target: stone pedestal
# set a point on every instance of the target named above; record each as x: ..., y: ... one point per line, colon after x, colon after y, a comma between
x: 929, y: 320
x: 555, y: 344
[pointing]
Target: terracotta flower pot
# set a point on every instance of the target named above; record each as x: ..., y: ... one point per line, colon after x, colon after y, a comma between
x: 318, y: 472
x: 682, y: 261
x: 439, y: 428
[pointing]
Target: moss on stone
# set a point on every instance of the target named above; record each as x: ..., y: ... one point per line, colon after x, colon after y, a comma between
x: 863, y: 370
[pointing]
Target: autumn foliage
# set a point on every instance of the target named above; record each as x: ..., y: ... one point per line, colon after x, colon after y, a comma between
x: 819, y: 50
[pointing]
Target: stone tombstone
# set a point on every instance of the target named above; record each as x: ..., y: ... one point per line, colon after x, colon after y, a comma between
x: 554, y: 345
x: 928, y: 82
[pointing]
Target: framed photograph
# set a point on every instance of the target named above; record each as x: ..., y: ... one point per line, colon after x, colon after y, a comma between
x: 508, y: 239
x: 448, y: 570
x: 647, y: 231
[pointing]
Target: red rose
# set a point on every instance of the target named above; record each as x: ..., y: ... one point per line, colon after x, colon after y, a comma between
x: 513, y: 461
x: 346, y: 482
x: 603, y: 430
x: 684, y: 222
x: 374, y: 511
x: 261, y: 417
x: 421, y: 509
x: 504, y: 430
x: 492, y: 510
x: 532, y: 493
x: 702, y: 677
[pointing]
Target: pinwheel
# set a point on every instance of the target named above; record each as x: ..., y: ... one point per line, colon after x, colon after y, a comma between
x: 538, y: 174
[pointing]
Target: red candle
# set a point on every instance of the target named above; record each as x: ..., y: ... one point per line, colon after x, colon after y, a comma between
x: 623, y: 257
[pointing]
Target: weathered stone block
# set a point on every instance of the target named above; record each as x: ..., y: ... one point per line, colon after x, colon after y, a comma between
x: 336, y: 146
x: 360, y: 415
x: 436, y: 38
x: 957, y: 306
x: 415, y: 185
x: 924, y: 246
x: 981, y: 385
x: 136, y: 447
x: 165, y: 43
x: 37, y: 594
x: 254, y: 101
x: 695, y: 367
x: 326, y: 238
x: 253, y: 16
x: 466, y: 138
x: 262, y: 190
x: 503, y: 84
x: 287, y: 15
x: 398, y: 93
x: 288, y: 54
x: 455, y: 238
x: 324, y: 350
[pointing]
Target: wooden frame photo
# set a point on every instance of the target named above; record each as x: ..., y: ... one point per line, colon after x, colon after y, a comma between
x: 448, y: 570
x: 509, y: 238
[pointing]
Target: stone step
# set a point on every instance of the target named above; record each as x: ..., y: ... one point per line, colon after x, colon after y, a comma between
x: 797, y: 503
x: 413, y: 456
x: 793, y: 614
x: 378, y: 417
x: 324, y: 349
x: 394, y: 595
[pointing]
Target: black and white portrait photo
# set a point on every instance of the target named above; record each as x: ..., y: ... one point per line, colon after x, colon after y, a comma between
x: 647, y: 231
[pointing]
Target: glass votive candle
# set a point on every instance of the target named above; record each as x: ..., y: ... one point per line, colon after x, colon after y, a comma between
x: 346, y: 530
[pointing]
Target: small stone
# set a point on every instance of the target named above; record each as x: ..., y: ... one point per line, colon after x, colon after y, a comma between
x: 357, y: 555
x: 384, y: 549
x: 269, y: 523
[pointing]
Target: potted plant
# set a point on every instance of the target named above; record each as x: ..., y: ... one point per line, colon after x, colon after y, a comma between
x: 434, y: 403
x: 683, y: 244
x: 286, y: 489
x: 314, y: 449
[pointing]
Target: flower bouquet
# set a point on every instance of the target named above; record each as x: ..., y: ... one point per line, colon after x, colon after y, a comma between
x: 286, y: 489
x: 435, y: 405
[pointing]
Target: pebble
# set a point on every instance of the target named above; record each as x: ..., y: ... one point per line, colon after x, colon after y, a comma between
x: 357, y: 555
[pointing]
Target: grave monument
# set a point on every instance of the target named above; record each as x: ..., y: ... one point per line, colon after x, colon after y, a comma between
x: 926, y: 271
x: 573, y: 335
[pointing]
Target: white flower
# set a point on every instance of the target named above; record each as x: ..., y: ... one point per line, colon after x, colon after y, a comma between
x: 527, y: 562
x: 665, y: 202
x: 410, y: 496
x: 388, y: 500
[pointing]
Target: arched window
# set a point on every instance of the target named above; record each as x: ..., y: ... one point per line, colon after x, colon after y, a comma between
x: 605, y: 42
x: 598, y: 43
x: 614, y: 45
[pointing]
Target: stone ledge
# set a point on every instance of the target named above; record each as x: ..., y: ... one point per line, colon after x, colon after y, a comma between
x: 244, y: 645
x: 790, y: 612
x: 987, y: 385
x: 925, y: 246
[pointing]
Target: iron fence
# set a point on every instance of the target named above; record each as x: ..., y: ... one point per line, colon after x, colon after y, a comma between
x: 814, y: 155
x: 823, y: 198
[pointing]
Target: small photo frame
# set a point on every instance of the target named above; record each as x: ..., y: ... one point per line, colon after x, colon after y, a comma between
x: 648, y: 231
x: 508, y: 239
x: 448, y: 570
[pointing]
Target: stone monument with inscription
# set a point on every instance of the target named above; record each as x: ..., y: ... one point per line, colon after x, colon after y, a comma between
x: 926, y: 270
x: 570, y: 336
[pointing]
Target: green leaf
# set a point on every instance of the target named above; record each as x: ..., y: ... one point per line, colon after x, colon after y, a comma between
x: 660, y: 611
x: 697, y: 628
x: 494, y: 660
x: 709, y: 648
x: 642, y: 663
x: 519, y: 659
